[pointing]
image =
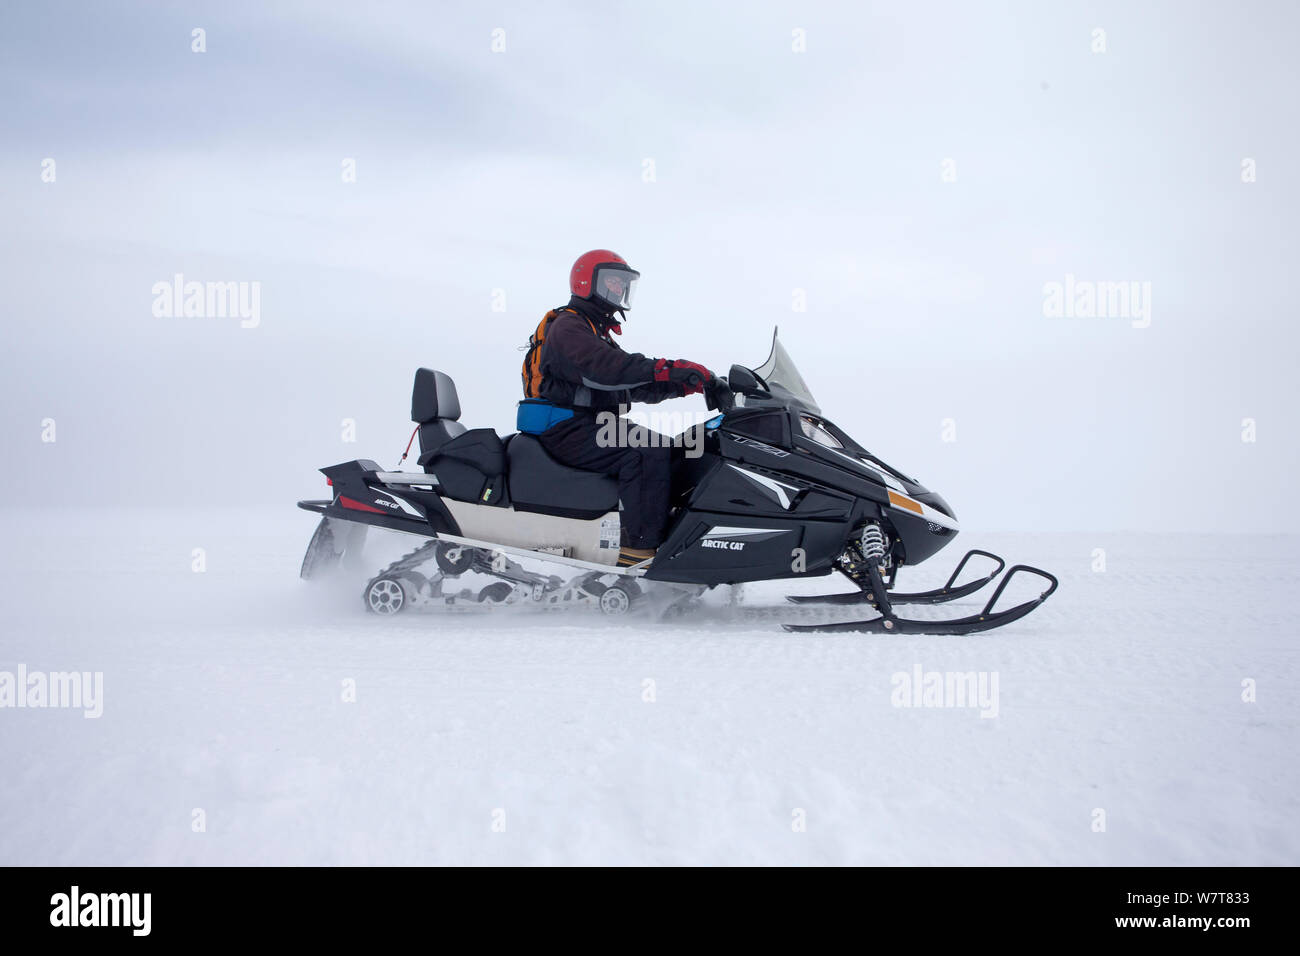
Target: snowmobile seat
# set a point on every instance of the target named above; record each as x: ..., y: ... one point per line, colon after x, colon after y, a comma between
x: 540, y: 484
x: 435, y: 407
x: 470, y: 467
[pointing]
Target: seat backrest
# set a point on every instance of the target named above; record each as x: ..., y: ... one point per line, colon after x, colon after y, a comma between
x: 433, y: 397
x: 435, y: 406
x: 435, y: 434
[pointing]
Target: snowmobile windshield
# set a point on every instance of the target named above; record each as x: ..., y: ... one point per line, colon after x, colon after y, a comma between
x: 783, y: 378
x: 614, y: 285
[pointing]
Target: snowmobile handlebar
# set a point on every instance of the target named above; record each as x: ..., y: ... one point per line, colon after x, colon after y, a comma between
x: 718, y: 395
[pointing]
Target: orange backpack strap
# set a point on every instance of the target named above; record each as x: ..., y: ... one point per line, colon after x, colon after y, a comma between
x: 532, y: 370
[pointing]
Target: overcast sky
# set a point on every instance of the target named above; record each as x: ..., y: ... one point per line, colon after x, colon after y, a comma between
x: 919, y: 172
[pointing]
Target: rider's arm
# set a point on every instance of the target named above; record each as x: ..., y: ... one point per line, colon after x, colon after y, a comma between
x: 574, y: 354
x: 656, y: 392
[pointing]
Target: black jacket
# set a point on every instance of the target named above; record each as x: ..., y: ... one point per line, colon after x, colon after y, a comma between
x: 583, y: 368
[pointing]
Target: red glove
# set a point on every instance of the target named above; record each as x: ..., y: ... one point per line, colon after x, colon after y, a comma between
x: 690, y: 376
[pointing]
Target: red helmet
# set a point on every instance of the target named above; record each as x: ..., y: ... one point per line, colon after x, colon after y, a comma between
x: 603, y: 277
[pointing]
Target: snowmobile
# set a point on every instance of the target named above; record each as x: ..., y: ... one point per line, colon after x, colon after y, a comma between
x: 773, y: 490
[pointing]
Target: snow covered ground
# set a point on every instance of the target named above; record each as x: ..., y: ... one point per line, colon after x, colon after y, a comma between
x: 486, y: 737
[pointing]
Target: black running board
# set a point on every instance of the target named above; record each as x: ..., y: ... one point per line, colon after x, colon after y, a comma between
x: 937, y: 596
x: 986, y: 620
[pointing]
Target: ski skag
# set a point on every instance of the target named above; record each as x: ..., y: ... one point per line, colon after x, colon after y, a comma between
x: 948, y: 592
x: 890, y: 623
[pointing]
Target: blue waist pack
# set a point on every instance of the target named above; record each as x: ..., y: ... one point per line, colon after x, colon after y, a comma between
x: 536, y: 415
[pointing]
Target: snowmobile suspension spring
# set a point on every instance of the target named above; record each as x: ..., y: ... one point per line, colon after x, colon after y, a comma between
x: 873, y: 542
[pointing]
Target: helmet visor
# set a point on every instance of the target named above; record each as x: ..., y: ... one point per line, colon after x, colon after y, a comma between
x: 614, y: 285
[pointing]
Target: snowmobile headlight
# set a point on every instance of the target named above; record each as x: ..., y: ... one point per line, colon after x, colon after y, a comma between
x: 817, y: 432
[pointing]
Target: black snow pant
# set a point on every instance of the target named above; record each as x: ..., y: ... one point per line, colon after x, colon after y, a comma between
x: 640, y: 459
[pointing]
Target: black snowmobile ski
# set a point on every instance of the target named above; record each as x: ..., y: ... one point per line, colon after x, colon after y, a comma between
x: 889, y: 623
x: 937, y: 596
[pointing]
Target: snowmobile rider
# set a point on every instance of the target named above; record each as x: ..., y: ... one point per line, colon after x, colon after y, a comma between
x: 575, y: 365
